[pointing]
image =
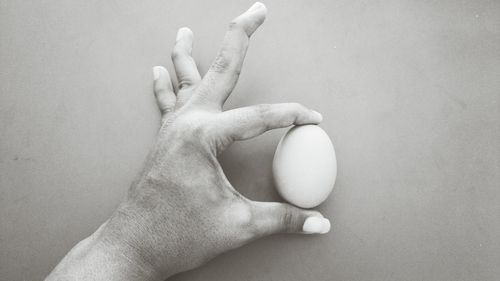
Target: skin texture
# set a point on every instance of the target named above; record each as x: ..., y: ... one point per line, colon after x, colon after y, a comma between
x: 182, y: 211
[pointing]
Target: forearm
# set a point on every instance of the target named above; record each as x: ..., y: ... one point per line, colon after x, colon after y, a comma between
x: 96, y: 258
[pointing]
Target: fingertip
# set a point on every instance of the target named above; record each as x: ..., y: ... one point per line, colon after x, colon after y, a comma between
x: 158, y: 71
x: 184, y: 32
x: 252, y: 18
x: 317, y: 116
x: 259, y: 11
x: 258, y: 6
x: 316, y: 225
x: 161, y: 79
x: 162, y: 88
x: 308, y: 116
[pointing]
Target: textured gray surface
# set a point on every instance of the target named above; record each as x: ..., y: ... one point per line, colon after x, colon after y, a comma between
x: 409, y: 91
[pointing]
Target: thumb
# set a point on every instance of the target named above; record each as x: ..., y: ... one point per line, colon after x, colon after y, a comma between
x: 274, y: 217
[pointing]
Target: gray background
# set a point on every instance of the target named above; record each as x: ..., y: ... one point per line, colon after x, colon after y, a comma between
x: 409, y: 91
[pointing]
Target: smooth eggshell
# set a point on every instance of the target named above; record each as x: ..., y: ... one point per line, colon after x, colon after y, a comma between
x: 305, y: 166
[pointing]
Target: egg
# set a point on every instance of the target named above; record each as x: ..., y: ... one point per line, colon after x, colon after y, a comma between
x: 305, y: 166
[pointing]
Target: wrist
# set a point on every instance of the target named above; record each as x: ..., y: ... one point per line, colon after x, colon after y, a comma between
x: 128, y: 259
x: 105, y: 258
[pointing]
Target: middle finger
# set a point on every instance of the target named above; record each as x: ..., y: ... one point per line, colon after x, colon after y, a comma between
x: 223, y: 74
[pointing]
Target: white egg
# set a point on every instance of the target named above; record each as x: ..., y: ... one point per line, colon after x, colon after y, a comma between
x: 305, y: 166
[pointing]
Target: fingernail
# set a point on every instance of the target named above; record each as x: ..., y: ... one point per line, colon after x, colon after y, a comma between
x: 256, y: 6
x: 157, y: 72
x: 318, y: 115
x: 181, y: 32
x: 316, y: 225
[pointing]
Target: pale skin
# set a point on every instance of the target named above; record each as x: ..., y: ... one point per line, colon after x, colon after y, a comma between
x: 182, y: 211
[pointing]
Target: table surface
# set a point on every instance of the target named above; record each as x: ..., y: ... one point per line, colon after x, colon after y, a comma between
x: 409, y: 91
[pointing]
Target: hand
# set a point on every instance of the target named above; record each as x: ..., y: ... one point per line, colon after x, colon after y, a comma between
x: 183, y: 211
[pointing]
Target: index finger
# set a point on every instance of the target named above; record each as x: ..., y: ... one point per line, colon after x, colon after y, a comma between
x: 224, y: 71
x: 251, y: 121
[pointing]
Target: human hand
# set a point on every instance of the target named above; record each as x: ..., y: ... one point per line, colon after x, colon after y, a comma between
x: 183, y: 211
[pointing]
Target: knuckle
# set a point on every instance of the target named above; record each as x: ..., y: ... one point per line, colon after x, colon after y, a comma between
x: 294, y: 113
x: 239, y: 25
x: 184, y: 83
x: 178, y: 52
x: 160, y: 89
x: 241, y: 216
x: 175, y: 54
x: 195, y: 131
x: 221, y: 63
x: 264, y: 113
x: 199, y: 131
x: 263, y: 109
x: 287, y: 220
x: 193, y: 126
x: 166, y: 102
x: 235, y: 24
x: 297, y: 107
